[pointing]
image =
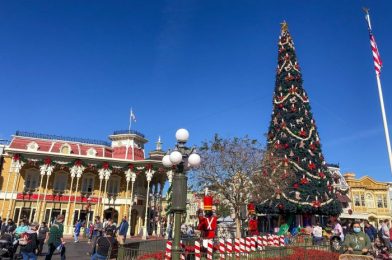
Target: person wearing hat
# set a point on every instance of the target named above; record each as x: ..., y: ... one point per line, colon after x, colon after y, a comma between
x: 29, y: 242
x: 56, y: 240
x: 208, y: 223
x: 252, y: 224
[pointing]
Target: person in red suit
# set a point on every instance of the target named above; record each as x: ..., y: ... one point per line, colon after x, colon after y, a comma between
x: 252, y: 224
x: 208, y: 222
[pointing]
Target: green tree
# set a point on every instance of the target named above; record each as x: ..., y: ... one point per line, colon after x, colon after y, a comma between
x: 294, y: 149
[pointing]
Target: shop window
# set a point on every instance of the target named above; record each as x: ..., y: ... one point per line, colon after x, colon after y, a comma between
x: 384, y: 198
x: 88, y: 183
x: 54, y: 214
x: 47, y: 216
x: 16, y: 215
x: 31, y: 181
x: 113, y: 185
x: 60, y: 182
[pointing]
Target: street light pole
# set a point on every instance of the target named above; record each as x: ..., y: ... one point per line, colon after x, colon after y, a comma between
x: 182, y: 158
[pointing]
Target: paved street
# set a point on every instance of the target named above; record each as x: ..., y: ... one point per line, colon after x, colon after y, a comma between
x: 79, y: 250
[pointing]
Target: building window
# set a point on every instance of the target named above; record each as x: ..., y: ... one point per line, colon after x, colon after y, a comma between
x: 31, y: 181
x: 32, y: 146
x: 91, y: 152
x: 65, y: 149
x: 369, y: 200
x: 363, y: 200
x: 379, y: 201
x: 88, y: 183
x: 357, y: 201
x: 384, y: 198
x: 113, y: 185
x: 60, y: 182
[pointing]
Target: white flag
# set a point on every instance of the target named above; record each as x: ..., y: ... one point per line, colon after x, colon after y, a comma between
x: 132, y: 116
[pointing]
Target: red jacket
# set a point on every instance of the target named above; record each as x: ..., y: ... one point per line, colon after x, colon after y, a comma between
x: 252, y: 227
x: 207, y: 226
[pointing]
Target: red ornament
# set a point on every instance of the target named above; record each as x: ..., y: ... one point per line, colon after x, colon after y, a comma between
x: 295, y: 186
x: 16, y: 157
x: 47, y: 161
x: 322, y: 175
x: 304, y: 181
x: 105, y: 165
x: 312, y: 166
x: 280, y: 105
x: 316, y: 204
x: 286, y: 146
x: 280, y: 206
x: 302, y: 133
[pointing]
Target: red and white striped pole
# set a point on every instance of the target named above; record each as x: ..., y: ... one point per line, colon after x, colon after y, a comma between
x: 276, y: 241
x: 209, y: 250
x: 229, y: 246
x: 242, y: 245
x: 237, y: 248
x: 281, y: 240
x: 259, y: 243
x: 222, y: 249
x: 265, y: 241
x: 197, y: 250
x: 270, y: 240
x: 168, y: 250
x: 248, y: 242
x: 253, y: 243
x: 182, y: 256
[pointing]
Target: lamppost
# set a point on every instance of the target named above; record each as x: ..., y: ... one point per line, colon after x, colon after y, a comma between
x: 149, y: 174
x: 182, y: 158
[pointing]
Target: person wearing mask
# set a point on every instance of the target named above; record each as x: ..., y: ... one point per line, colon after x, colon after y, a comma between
x: 56, y: 240
x: 357, y: 242
x: 317, y: 234
x: 43, y: 231
x: 104, y: 245
x: 123, y: 228
x: 370, y: 231
x: 30, y: 242
x: 78, y: 226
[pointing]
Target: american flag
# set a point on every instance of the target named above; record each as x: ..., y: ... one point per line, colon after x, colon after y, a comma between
x: 373, y: 45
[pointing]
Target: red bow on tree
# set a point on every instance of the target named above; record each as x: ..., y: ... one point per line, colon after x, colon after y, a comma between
x: 304, y: 181
x: 312, y: 166
x: 302, y: 133
x: 295, y: 186
x: 322, y: 175
x: 105, y: 165
x: 316, y: 204
x: 78, y: 163
x: 131, y: 166
x: 16, y: 157
x: 47, y: 161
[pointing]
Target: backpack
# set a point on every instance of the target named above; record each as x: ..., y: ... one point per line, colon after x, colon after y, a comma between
x: 24, y: 239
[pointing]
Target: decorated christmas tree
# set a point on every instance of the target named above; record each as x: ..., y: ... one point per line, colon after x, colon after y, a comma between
x: 294, y: 163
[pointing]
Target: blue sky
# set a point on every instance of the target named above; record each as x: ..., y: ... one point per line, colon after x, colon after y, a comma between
x: 75, y: 68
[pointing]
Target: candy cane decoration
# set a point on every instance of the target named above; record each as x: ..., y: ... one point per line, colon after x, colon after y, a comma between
x: 237, y: 248
x: 222, y: 249
x: 259, y: 243
x: 197, y: 250
x: 265, y: 241
x: 209, y: 250
x: 281, y: 240
x: 229, y: 246
x: 270, y: 240
x: 276, y: 240
x: 168, y: 250
x: 248, y: 242
x: 242, y: 245
x: 253, y: 243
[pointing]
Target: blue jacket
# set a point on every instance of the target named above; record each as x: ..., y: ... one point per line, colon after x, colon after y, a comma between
x: 123, y: 229
x: 371, y: 232
x: 78, y: 226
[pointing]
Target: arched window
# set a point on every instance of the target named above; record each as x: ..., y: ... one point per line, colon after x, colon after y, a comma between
x: 88, y: 183
x: 369, y: 200
x: 60, y: 181
x: 113, y: 185
x: 31, y: 181
x: 32, y: 146
x: 65, y: 149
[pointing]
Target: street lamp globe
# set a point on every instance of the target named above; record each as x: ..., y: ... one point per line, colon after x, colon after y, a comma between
x: 194, y: 160
x: 182, y: 135
x: 175, y: 157
x: 166, y: 161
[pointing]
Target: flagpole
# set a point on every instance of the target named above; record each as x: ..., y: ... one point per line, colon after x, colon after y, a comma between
x: 384, y: 119
x: 381, y: 97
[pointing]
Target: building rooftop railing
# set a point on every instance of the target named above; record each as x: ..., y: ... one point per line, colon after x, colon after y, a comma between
x: 124, y: 132
x: 62, y: 138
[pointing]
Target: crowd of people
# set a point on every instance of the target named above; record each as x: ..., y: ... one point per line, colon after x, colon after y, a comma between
x: 28, y: 239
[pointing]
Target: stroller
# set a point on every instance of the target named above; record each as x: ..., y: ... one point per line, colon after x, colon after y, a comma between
x: 7, y: 247
x: 380, y: 251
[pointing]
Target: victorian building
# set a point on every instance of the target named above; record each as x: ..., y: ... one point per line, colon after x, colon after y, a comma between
x: 370, y: 199
x: 43, y: 176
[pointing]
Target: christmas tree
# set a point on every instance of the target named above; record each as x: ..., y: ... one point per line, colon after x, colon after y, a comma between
x: 295, y: 161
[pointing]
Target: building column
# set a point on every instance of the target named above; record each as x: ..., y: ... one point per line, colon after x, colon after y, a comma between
x: 49, y: 170
x: 42, y: 172
x: 107, y: 176
x: 6, y: 189
x: 129, y: 212
x: 79, y: 172
x: 73, y: 171
x: 97, y: 211
x: 149, y: 174
x: 16, y: 166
